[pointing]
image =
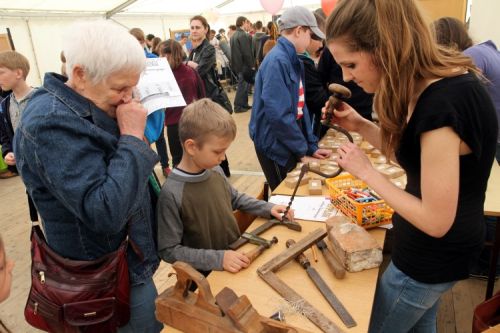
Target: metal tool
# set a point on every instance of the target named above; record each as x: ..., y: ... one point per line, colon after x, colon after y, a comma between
x: 264, y: 227
x: 268, y: 270
x: 331, y: 260
x: 254, y: 253
x: 324, y: 289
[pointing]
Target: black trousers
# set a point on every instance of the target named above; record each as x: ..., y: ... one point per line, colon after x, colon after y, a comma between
x: 274, y: 172
x: 174, y: 143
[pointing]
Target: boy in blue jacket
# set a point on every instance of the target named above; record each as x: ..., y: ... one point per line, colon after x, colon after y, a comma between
x: 280, y: 125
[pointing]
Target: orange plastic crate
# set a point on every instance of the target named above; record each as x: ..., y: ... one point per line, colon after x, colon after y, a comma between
x: 367, y: 215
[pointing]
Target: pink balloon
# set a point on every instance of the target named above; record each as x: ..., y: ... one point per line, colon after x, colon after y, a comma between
x: 272, y: 6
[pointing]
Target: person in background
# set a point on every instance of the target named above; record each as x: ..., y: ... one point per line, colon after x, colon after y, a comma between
x: 196, y: 223
x: 440, y: 126
x: 6, y: 268
x: 149, y: 42
x: 256, y: 41
x: 92, y: 192
x: 154, y: 45
x: 242, y: 62
x: 202, y: 59
x: 183, y: 41
x: 63, y: 64
x: 161, y: 143
x: 280, y: 125
x: 231, y: 31
x: 452, y: 33
x: 14, y: 69
x: 269, y: 42
x: 192, y: 89
x: 316, y: 93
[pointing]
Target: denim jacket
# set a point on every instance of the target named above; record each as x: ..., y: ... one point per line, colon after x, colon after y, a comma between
x: 89, y: 184
x: 273, y: 126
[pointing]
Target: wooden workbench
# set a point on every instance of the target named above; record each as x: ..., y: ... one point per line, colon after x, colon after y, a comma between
x: 356, y: 291
x: 492, y: 208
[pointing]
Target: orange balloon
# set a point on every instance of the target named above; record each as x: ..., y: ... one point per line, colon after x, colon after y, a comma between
x: 328, y: 6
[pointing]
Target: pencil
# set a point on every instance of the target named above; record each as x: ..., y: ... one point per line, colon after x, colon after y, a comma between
x: 315, y: 256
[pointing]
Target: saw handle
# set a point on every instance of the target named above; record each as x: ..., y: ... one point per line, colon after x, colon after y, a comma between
x: 301, y: 258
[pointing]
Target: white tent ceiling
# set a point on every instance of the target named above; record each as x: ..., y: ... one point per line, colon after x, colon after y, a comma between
x: 137, y: 7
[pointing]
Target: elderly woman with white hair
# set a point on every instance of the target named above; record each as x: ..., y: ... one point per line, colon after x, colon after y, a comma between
x: 81, y: 153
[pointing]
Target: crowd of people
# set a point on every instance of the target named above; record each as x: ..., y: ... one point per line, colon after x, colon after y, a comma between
x: 94, y: 191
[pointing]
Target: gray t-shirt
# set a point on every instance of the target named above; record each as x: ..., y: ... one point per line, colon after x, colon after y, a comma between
x: 16, y: 107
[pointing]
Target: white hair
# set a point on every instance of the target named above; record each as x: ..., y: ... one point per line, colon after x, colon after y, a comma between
x: 101, y: 48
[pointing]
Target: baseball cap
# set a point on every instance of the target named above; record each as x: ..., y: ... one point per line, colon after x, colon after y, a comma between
x: 299, y: 16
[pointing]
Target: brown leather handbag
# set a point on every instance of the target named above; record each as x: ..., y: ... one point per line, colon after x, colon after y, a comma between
x: 486, y: 314
x: 73, y: 296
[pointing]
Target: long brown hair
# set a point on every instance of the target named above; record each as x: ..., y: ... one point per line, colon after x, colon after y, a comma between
x: 174, y: 50
x: 400, y: 42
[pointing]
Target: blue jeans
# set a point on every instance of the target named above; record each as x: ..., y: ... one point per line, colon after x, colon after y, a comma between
x: 241, y: 97
x: 142, y: 310
x: 403, y: 304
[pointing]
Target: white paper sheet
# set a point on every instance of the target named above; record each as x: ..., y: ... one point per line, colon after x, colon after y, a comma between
x: 157, y: 87
x: 314, y: 208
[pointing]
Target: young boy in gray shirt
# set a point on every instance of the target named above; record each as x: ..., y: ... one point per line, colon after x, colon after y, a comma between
x: 195, y: 209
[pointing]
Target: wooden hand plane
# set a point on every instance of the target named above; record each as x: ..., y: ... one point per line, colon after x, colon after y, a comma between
x: 202, y: 313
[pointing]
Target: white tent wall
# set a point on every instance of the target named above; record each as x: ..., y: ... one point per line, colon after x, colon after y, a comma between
x: 484, y: 23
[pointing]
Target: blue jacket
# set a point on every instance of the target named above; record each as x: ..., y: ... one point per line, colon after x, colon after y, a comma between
x: 273, y: 126
x: 6, y: 130
x: 86, y: 180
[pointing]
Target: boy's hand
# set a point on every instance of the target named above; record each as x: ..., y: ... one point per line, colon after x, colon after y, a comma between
x: 278, y: 210
x: 10, y: 159
x: 234, y: 261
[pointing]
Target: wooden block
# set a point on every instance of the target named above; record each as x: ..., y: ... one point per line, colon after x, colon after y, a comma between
x: 333, y: 157
x: 353, y: 245
x: 314, y: 165
x: 293, y: 173
x: 315, y: 187
x: 328, y: 162
x: 329, y: 169
x: 379, y: 159
x: 366, y: 147
x: 291, y: 181
x: 375, y: 153
x: 393, y: 172
x: 381, y: 167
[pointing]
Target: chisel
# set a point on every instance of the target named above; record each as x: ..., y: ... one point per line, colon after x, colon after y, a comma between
x: 324, y: 289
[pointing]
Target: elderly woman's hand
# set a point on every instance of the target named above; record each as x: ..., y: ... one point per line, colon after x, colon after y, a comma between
x: 131, y: 117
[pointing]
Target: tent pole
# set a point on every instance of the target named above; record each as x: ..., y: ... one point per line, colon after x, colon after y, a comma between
x: 34, y: 52
x: 119, y: 8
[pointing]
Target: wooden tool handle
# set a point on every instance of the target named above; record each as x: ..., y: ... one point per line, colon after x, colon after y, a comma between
x: 334, y: 264
x: 254, y: 253
x: 301, y: 258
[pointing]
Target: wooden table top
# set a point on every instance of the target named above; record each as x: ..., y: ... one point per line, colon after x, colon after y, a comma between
x: 356, y: 291
x: 492, y: 201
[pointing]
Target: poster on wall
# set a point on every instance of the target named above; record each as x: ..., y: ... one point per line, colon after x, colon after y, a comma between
x: 178, y: 35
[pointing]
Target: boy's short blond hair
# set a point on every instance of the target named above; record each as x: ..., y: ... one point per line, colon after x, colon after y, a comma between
x: 14, y: 60
x: 204, y: 117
